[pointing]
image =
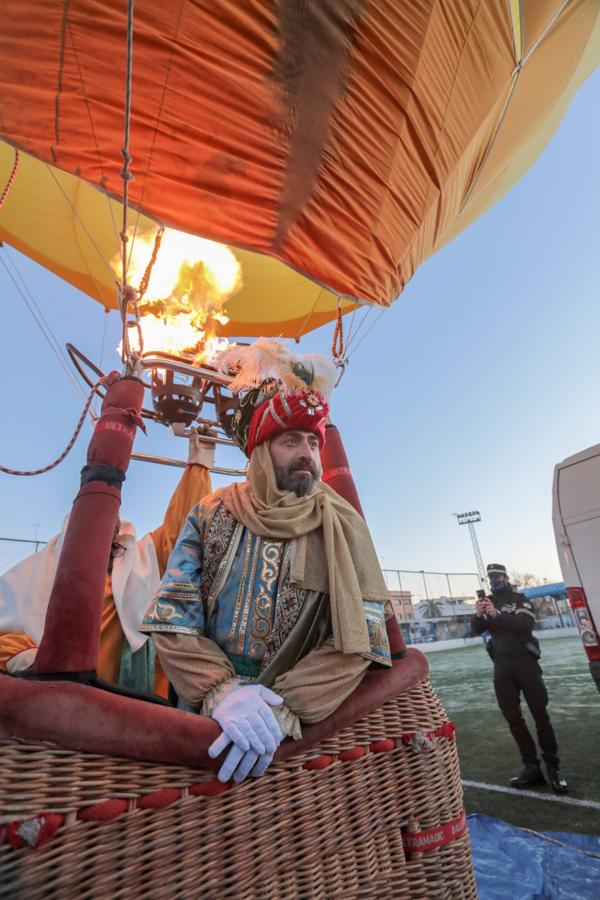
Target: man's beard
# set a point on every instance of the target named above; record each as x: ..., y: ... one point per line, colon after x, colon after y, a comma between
x: 288, y: 478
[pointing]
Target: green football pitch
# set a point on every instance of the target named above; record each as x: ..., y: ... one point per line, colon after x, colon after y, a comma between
x: 488, y: 755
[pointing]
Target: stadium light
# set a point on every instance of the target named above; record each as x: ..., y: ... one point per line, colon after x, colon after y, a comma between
x: 469, y: 518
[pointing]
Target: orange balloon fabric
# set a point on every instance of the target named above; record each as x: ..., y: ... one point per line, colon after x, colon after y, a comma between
x: 346, y: 139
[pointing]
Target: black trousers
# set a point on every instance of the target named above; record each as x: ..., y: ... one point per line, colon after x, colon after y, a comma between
x: 524, y: 676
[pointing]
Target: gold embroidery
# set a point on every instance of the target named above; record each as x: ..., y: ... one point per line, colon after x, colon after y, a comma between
x: 277, y: 418
x: 223, y: 570
x: 263, y: 606
x: 160, y: 611
x: 249, y: 593
x: 240, y: 593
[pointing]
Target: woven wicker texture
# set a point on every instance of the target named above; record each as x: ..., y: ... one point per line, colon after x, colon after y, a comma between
x: 294, y: 833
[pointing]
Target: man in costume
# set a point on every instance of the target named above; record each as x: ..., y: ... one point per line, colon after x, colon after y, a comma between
x: 509, y: 617
x: 273, y: 604
x: 126, y: 657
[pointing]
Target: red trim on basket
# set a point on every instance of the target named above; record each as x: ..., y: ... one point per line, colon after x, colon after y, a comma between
x: 36, y: 830
x: 103, y: 812
x: 447, y: 730
x: 432, y: 838
x: 384, y: 746
x: 33, y: 832
x: 208, y: 788
x: 353, y: 754
x: 159, y: 799
x: 319, y: 762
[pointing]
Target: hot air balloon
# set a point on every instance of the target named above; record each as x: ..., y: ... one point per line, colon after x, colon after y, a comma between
x: 332, y: 145
x: 336, y: 145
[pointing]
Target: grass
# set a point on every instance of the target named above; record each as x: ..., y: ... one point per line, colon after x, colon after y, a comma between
x: 463, y: 681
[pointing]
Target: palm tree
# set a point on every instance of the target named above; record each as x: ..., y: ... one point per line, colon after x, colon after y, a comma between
x: 432, y: 608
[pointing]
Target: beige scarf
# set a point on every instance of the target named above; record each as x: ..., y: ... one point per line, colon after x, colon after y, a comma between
x: 334, y: 553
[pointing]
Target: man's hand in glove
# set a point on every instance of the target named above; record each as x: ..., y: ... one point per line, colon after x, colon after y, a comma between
x: 238, y: 764
x: 248, y: 723
x: 200, y: 452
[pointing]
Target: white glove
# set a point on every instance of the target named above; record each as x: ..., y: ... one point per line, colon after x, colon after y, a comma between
x: 200, y: 452
x: 21, y: 661
x: 239, y: 763
x: 249, y: 725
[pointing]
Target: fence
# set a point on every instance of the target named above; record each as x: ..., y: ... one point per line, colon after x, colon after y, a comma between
x: 11, y: 555
x: 427, y: 585
x: 438, y: 606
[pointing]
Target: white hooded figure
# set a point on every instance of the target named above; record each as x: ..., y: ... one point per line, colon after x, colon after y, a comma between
x: 126, y: 656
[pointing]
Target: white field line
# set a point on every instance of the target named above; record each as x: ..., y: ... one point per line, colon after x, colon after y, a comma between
x: 552, y: 798
x: 564, y: 677
x: 563, y: 706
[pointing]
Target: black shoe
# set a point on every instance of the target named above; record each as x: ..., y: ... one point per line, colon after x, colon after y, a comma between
x: 557, y: 782
x: 529, y: 776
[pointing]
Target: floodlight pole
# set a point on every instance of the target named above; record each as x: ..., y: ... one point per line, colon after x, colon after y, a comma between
x: 469, y: 518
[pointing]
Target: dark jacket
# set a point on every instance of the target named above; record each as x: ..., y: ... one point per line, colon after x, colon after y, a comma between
x: 511, y: 628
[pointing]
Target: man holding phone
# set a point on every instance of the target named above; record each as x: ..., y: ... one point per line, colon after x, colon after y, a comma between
x: 508, y: 616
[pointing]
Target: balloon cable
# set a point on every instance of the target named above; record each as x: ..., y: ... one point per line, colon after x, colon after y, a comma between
x: 89, y: 235
x: 369, y: 330
x: 39, y: 318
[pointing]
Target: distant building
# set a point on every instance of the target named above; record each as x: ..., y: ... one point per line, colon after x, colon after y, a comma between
x: 436, y: 608
x: 550, y: 604
x: 402, y: 605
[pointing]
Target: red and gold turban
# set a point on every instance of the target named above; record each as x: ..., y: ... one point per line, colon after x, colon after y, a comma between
x: 284, y: 412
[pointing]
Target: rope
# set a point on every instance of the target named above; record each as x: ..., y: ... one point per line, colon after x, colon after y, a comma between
x: 69, y: 446
x: 337, y: 345
x: 157, y: 122
x: 127, y: 294
x: 93, y: 129
x: 125, y: 173
x: 11, y: 178
x: 552, y: 840
x: 127, y: 298
x: 146, y: 277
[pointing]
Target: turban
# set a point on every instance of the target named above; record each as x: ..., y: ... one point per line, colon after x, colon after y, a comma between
x: 276, y: 391
x: 301, y: 412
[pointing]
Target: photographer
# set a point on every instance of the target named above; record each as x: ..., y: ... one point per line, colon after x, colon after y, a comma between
x: 509, y: 618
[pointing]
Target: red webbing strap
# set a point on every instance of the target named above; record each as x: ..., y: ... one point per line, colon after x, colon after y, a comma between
x: 432, y: 838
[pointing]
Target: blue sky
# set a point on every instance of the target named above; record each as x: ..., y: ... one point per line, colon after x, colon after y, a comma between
x: 464, y: 395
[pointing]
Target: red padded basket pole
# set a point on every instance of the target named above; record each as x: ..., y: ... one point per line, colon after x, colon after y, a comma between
x: 337, y: 474
x: 71, y: 638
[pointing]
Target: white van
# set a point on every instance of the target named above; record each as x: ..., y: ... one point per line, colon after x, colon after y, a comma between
x: 576, y: 518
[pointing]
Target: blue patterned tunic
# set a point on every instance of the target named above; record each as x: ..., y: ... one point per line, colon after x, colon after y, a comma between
x: 232, y: 586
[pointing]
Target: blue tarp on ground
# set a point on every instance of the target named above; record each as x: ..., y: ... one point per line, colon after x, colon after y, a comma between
x: 513, y: 864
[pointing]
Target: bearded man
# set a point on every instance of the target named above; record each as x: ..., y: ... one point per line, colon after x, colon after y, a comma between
x: 272, y: 607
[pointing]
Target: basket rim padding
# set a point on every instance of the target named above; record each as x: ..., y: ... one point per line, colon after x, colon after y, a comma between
x: 77, y: 717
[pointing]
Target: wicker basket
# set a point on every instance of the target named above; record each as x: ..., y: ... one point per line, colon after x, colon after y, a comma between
x: 334, y: 822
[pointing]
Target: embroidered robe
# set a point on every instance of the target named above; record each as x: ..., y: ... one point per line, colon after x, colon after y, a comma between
x: 226, y: 608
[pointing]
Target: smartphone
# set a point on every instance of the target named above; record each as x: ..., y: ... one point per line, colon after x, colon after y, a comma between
x: 481, y: 595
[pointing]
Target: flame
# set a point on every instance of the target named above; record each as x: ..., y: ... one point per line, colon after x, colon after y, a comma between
x: 191, y: 280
